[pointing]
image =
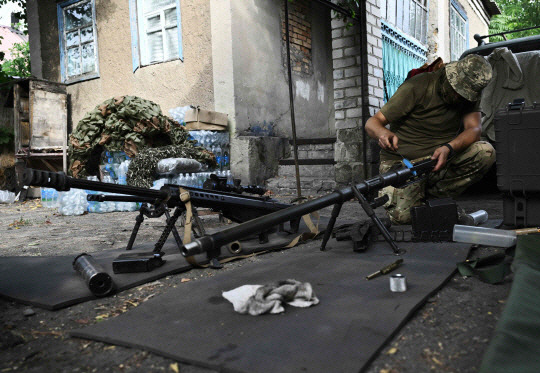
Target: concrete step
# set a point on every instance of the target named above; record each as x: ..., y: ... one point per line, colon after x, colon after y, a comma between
x: 309, y: 161
x: 325, y: 171
x: 316, y: 167
x: 315, y: 151
x: 314, y: 186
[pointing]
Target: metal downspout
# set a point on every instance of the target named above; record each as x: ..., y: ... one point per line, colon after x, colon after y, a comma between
x: 291, y: 98
x: 363, y: 82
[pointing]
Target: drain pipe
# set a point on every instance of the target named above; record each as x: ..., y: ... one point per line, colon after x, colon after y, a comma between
x: 291, y: 98
x: 364, y: 81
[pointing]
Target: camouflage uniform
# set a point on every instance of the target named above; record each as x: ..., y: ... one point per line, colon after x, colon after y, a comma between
x: 463, y: 170
x: 467, y: 78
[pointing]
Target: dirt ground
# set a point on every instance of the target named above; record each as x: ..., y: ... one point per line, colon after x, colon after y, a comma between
x: 448, y: 334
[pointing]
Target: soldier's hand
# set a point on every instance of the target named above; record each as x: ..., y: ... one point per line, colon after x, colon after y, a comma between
x: 388, y: 141
x: 441, y: 155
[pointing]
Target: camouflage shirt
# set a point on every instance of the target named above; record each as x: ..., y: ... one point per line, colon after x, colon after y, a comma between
x: 421, y: 118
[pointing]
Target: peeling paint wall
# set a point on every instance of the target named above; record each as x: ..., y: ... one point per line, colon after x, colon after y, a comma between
x: 169, y: 84
x: 260, y: 77
x: 478, y: 20
x: 439, y: 26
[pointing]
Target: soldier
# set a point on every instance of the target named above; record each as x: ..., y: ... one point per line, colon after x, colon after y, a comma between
x: 425, y: 116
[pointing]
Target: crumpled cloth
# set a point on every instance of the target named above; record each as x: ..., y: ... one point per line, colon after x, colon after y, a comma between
x: 259, y: 299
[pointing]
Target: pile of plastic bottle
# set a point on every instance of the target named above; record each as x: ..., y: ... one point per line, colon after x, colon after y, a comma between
x: 114, y: 169
x: 72, y: 202
x: 217, y: 142
x: 179, y: 114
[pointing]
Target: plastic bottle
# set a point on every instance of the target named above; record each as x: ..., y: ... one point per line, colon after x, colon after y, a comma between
x: 484, y: 236
x: 54, y: 198
x: 122, y: 172
x: 159, y: 183
x: 230, y: 179
x: 43, y: 192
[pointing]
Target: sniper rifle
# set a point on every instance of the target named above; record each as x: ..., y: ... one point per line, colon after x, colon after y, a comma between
x: 400, y: 177
x: 238, y: 208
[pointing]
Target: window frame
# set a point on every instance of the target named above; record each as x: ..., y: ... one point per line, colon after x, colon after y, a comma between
x: 138, y: 19
x: 63, y: 43
x: 460, y: 13
x: 399, y: 14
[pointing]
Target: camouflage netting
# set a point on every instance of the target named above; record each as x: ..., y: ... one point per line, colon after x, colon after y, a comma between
x: 129, y: 124
x: 142, y: 167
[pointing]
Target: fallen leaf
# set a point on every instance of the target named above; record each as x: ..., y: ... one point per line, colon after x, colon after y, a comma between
x: 101, y: 317
x: 174, y: 367
x: 437, y: 361
x: 392, y: 351
x: 110, y: 348
x: 185, y: 280
x: 51, y: 332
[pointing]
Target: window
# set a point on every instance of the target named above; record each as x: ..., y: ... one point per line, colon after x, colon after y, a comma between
x: 458, y: 31
x: 410, y: 16
x: 156, y: 31
x: 78, y: 40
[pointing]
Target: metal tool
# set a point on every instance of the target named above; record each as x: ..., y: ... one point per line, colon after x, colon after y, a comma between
x: 98, y: 281
x: 398, y: 283
x: 386, y: 269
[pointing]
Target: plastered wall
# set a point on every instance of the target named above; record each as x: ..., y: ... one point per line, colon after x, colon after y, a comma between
x: 260, y: 77
x: 169, y: 84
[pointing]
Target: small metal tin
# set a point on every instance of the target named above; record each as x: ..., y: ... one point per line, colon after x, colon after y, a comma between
x: 398, y: 283
x: 479, y: 217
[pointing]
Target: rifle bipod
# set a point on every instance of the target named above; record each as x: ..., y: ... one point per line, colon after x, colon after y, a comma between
x: 143, y: 262
x: 368, y: 207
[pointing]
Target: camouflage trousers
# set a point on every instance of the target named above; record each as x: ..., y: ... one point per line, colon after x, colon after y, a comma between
x: 460, y: 172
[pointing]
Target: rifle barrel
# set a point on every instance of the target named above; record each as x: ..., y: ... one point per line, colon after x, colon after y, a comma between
x: 396, y: 178
x: 62, y: 182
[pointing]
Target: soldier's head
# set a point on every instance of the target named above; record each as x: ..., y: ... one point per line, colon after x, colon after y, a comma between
x: 469, y: 76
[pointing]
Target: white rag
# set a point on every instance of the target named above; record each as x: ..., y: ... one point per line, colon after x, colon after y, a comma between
x: 259, y: 299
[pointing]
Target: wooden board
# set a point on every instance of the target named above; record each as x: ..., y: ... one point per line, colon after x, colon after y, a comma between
x: 48, y: 115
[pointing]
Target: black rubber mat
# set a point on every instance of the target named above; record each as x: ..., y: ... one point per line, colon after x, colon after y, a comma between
x: 50, y: 282
x: 353, y: 320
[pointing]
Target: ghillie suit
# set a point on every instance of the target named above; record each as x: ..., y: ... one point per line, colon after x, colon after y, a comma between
x: 129, y: 124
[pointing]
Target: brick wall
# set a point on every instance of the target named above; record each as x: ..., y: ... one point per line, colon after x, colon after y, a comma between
x: 348, y: 93
x: 299, y: 36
